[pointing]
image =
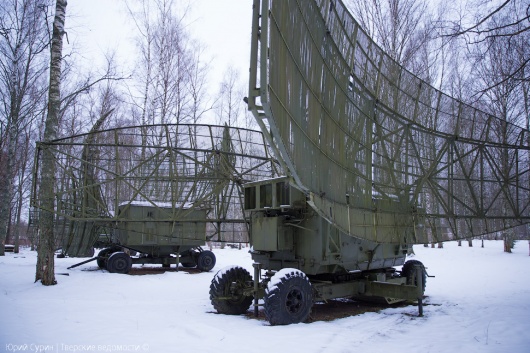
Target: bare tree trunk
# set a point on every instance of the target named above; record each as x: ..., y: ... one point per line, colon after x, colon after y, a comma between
x: 17, y: 228
x: 507, y: 243
x: 46, y: 246
x: 507, y: 247
x: 6, y: 184
x: 20, y: 191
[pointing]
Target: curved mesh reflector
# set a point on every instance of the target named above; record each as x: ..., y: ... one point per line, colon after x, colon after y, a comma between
x: 380, y: 153
x: 171, y: 168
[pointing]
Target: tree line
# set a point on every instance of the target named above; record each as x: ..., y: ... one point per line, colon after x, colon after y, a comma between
x: 478, y: 53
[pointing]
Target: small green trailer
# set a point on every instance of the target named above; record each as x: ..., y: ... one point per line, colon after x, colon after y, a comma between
x: 156, y: 238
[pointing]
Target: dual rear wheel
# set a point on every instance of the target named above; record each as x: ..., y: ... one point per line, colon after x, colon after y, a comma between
x: 205, y: 260
x: 114, y: 260
x: 119, y: 262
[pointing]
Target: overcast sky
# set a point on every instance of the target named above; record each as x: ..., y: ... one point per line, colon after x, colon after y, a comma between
x: 95, y: 26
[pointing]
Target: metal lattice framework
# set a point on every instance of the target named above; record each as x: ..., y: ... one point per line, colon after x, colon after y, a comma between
x: 372, y: 145
x: 176, y: 168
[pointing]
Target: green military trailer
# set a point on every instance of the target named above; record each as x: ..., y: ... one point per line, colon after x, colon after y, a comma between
x: 152, y: 233
x: 306, y: 259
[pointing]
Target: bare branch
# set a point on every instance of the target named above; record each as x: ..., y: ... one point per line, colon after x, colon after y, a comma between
x: 87, y: 87
x: 490, y: 15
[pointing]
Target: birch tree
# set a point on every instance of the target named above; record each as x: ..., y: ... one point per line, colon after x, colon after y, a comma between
x: 399, y: 27
x: 479, y: 25
x: 46, y: 245
x: 199, y: 102
x: 230, y: 99
x: 502, y: 87
x: 170, y: 74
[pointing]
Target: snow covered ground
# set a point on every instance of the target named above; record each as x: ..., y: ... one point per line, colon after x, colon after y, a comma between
x: 478, y: 302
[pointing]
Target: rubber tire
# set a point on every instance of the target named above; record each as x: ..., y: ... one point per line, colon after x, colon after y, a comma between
x: 290, y: 299
x: 220, y: 288
x: 408, y: 272
x: 102, y: 263
x: 205, y: 261
x: 119, y: 262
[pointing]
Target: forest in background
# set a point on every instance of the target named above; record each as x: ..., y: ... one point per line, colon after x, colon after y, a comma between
x: 475, y: 50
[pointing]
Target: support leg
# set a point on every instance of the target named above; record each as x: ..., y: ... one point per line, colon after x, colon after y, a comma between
x: 419, y: 284
x: 257, y: 269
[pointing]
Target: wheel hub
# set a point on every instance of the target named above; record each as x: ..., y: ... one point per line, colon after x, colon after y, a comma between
x: 294, y: 301
x: 120, y: 264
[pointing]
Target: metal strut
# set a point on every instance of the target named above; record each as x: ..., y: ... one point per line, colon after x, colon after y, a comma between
x: 83, y: 262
